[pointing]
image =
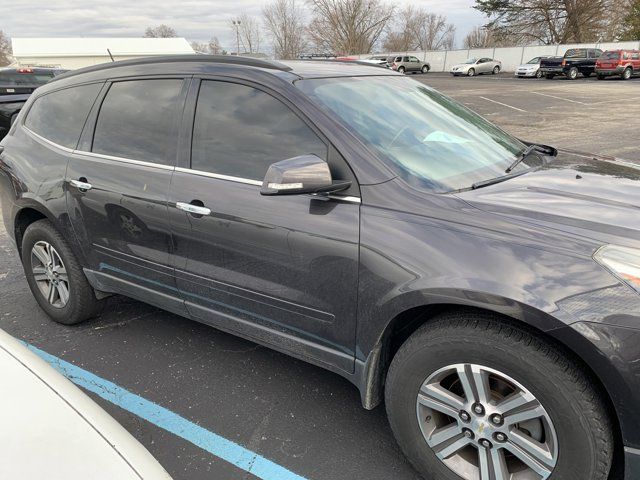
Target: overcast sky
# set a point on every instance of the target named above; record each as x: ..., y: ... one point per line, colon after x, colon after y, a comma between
x: 192, y: 19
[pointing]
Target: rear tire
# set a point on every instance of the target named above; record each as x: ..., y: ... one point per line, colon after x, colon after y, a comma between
x: 425, y: 69
x: 573, y: 73
x: 627, y: 74
x: 496, y: 70
x: 571, y: 416
x: 55, y: 277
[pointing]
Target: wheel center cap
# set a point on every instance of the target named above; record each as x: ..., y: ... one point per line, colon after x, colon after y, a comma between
x: 481, y: 428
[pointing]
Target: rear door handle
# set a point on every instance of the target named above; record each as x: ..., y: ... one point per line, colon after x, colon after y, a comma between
x: 195, y: 209
x: 82, y: 186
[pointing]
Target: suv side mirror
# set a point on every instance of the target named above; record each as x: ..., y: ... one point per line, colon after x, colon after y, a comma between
x: 306, y: 174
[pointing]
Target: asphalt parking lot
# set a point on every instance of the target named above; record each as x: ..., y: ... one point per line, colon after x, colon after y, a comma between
x: 584, y: 114
x: 299, y: 416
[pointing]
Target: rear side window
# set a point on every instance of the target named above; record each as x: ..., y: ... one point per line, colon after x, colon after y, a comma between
x: 59, y: 116
x: 138, y: 120
x: 610, y: 56
x: 239, y: 131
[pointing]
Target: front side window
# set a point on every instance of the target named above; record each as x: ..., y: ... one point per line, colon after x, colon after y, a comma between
x: 240, y: 131
x: 59, y: 116
x: 138, y: 120
x: 429, y: 139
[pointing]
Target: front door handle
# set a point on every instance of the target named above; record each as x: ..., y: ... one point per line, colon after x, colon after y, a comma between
x: 195, y: 209
x: 80, y: 185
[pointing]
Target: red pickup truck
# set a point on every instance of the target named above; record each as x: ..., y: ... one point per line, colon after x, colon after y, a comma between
x: 622, y: 63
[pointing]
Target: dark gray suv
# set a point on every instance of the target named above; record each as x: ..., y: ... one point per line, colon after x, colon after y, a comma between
x: 487, y: 289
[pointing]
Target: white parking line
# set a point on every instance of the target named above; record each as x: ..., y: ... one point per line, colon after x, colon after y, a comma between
x: 503, y: 104
x: 559, y: 98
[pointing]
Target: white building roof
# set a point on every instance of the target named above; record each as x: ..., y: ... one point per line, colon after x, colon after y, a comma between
x: 97, y: 46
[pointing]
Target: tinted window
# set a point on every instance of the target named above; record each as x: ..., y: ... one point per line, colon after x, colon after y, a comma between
x: 139, y: 120
x: 576, y: 53
x: 59, y: 116
x: 610, y: 55
x: 240, y: 131
x: 635, y: 56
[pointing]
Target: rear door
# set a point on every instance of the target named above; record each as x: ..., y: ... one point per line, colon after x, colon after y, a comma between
x: 282, y: 269
x: 118, y: 182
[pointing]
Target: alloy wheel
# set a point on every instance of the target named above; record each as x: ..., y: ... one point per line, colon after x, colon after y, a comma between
x: 50, y: 274
x: 484, y: 425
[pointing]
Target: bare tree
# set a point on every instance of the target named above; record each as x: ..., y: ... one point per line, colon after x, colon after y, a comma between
x: 545, y: 21
x: 5, y: 50
x: 631, y: 26
x: 415, y: 28
x: 284, y: 20
x: 248, y: 30
x: 200, y: 47
x: 161, y: 31
x: 480, y: 37
x: 348, y: 26
x: 215, y: 48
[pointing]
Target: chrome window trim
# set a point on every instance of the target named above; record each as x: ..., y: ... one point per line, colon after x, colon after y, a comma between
x: 47, y: 141
x: 248, y: 181
x: 219, y: 176
x: 125, y: 160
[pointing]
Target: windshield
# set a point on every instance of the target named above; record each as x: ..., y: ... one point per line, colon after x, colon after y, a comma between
x: 471, y: 60
x: 610, y: 56
x: 16, y: 78
x: 534, y: 60
x: 429, y: 139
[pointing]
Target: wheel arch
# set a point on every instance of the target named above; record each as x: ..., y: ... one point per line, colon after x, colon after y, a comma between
x: 404, y: 324
x: 25, y: 217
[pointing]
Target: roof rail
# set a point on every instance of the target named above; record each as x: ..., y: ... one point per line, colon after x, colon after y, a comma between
x: 229, y: 59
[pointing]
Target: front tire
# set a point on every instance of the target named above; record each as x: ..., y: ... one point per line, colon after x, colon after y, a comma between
x: 626, y: 75
x: 469, y: 391
x: 539, y: 74
x: 471, y: 72
x: 55, y: 277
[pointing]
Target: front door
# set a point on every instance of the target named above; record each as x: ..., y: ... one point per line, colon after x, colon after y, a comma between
x: 282, y: 270
x: 118, y: 182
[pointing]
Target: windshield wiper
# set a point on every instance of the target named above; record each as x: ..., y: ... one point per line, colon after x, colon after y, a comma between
x: 525, y: 153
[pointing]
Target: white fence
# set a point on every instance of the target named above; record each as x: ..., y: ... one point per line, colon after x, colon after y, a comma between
x: 511, y: 57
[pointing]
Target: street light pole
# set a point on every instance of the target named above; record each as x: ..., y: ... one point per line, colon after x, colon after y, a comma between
x: 237, y: 23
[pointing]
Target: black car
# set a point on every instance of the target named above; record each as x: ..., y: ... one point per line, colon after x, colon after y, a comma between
x: 574, y: 62
x: 10, y: 106
x: 487, y: 289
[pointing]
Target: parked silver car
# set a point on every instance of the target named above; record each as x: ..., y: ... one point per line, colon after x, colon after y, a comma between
x: 530, y: 69
x: 408, y: 63
x: 477, y: 66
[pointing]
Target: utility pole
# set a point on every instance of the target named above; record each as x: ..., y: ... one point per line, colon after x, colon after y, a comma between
x: 237, y: 23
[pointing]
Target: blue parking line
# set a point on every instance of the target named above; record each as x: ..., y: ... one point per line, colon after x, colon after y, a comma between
x: 172, y: 422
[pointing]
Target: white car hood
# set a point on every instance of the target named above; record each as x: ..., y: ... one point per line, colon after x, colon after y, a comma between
x: 463, y: 65
x: 51, y: 429
x: 529, y: 66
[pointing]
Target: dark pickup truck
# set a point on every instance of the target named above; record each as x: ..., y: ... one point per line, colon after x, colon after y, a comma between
x: 574, y: 62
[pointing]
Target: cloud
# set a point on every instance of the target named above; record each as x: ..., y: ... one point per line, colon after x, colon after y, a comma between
x: 193, y: 19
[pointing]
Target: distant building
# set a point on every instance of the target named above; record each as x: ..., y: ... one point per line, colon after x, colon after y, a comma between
x: 80, y: 52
